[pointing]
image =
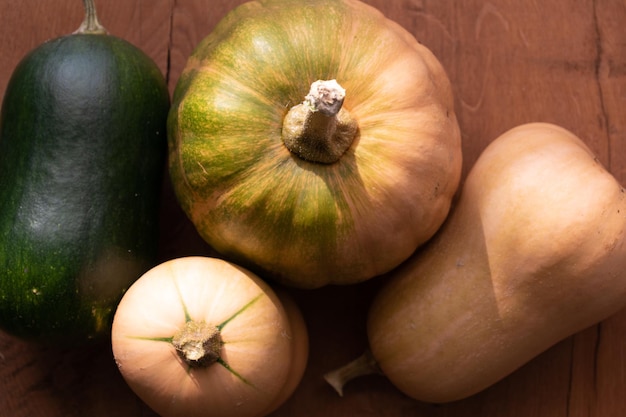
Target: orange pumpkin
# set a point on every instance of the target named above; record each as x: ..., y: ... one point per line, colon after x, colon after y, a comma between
x: 314, y: 183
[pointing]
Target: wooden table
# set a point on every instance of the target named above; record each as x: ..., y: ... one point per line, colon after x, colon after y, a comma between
x: 510, y: 61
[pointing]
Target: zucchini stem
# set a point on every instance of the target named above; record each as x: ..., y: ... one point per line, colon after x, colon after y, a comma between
x: 91, y: 24
x: 320, y: 129
x: 361, y: 366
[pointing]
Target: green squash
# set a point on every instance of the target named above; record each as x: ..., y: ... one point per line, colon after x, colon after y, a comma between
x: 82, y: 155
x: 298, y: 192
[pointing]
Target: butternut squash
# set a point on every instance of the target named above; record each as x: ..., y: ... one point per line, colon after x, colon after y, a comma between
x: 533, y: 252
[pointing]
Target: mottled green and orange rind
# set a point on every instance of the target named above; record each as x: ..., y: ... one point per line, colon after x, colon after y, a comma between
x: 310, y: 224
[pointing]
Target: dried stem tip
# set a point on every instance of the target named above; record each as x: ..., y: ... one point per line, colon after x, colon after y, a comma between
x: 319, y: 129
x: 361, y: 366
x: 91, y: 25
x: 198, y: 343
x: 326, y: 97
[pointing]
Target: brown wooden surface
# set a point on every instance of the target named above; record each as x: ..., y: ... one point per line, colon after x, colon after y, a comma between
x: 510, y: 61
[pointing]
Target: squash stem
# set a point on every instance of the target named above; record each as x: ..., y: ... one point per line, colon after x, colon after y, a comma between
x: 320, y: 129
x: 198, y: 344
x: 361, y: 366
x: 91, y: 24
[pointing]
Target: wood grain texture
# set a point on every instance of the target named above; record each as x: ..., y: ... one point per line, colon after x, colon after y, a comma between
x: 510, y: 62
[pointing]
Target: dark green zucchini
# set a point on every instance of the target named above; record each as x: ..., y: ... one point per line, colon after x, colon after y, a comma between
x: 82, y: 154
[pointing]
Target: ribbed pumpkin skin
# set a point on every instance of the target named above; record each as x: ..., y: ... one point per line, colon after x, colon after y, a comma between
x: 82, y: 151
x: 309, y: 224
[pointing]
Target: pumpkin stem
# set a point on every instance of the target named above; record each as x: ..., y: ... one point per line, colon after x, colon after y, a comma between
x: 198, y: 344
x: 361, y: 366
x: 90, y: 25
x: 320, y: 129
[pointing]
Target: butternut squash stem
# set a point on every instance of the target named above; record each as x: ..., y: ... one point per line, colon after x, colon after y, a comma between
x: 91, y: 24
x: 361, y: 366
x: 320, y: 129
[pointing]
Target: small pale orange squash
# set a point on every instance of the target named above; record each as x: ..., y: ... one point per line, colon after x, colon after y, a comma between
x: 199, y: 336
